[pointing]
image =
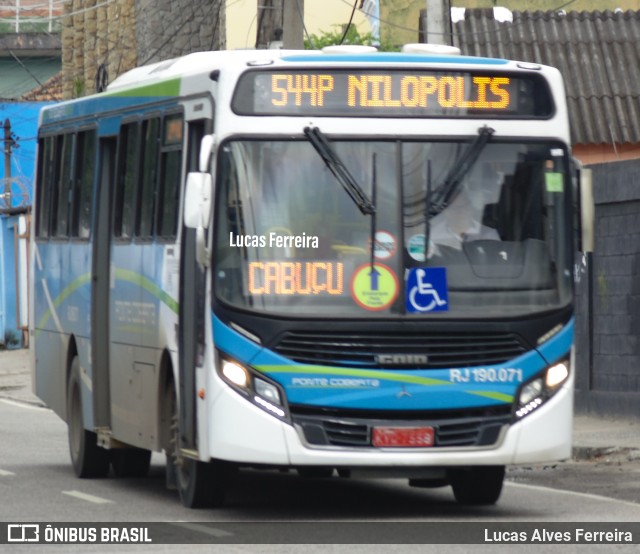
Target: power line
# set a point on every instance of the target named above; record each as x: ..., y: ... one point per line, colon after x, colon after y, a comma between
x: 214, y: 5
x: 346, y: 29
x: 304, y: 27
x: 24, y: 66
x: 483, y: 32
x: 56, y: 17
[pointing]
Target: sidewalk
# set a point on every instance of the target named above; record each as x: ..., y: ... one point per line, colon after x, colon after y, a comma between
x: 591, y: 435
x: 15, y: 377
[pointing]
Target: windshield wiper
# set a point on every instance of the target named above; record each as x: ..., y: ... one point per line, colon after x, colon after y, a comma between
x: 339, y: 170
x: 446, y: 192
x: 427, y: 215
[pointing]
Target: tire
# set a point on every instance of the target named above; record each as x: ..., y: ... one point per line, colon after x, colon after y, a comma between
x: 130, y: 462
x: 199, y: 484
x: 477, y: 486
x: 88, y: 459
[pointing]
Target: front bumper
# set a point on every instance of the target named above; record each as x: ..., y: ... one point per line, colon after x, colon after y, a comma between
x: 241, y: 432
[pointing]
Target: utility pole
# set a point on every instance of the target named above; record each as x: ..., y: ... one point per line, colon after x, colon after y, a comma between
x: 280, y: 24
x: 269, y: 23
x: 436, y: 22
x: 8, y: 143
x: 293, y: 24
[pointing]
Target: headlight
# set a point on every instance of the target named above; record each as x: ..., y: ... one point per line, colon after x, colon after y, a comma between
x: 557, y: 374
x: 265, y: 394
x: 235, y: 373
x: 535, y: 393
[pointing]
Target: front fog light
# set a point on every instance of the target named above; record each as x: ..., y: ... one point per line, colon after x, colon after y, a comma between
x: 535, y: 393
x: 530, y: 392
x: 556, y: 374
x: 266, y: 390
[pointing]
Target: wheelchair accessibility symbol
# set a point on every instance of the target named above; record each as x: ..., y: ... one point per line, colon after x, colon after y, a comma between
x: 427, y: 290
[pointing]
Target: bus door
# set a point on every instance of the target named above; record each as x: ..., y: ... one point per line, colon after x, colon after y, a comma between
x: 192, y: 306
x: 100, y: 279
x: 134, y: 307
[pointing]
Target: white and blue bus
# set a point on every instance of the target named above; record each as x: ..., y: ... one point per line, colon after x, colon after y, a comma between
x: 338, y: 261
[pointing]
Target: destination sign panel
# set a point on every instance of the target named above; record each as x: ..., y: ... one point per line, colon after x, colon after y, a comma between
x: 392, y: 93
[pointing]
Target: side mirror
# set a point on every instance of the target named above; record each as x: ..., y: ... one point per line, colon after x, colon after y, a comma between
x: 587, y: 209
x: 197, y: 200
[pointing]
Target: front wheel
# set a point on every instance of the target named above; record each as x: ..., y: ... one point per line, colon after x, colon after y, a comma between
x: 199, y: 484
x: 480, y: 485
x: 88, y: 459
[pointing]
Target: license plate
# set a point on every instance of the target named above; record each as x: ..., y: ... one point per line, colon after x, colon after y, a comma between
x: 403, y: 437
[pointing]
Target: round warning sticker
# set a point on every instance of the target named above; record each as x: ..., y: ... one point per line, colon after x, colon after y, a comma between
x: 385, y: 245
x: 374, y: 288
x: 415, y: 246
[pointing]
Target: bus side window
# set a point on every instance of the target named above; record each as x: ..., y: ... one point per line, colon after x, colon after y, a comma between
x: 64, y: 198
x: 83, y: 184
x: 45, y: 183
x: 61, y: 186
x: 169, y: 182
x: 127, y: 178
x: 149, y: 165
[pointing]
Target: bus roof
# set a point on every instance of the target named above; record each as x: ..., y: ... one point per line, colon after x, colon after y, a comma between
x: 201, y: 62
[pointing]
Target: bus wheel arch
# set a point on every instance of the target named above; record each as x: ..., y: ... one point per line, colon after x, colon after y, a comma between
x: 166, y: 385
x: 199, y: 484
x: 72, y: 353
x: 87, y: 458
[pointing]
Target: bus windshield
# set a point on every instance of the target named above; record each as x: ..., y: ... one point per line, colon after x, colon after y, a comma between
x: 290, y: 240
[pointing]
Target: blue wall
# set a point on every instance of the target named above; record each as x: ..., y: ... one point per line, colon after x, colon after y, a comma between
x: 23, y: 117
x: 24, y: 126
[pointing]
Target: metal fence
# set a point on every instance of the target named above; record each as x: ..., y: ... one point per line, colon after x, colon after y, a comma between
x: 28, y: 16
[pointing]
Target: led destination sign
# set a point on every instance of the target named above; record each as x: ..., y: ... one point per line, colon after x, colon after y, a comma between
x: 296, y: 278
x: 391, y: 93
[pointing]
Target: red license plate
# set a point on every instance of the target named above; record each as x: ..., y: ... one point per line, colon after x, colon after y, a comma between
x: 404, y: 437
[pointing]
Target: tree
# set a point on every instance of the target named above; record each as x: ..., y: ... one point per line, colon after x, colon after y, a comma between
x: 352, y: 36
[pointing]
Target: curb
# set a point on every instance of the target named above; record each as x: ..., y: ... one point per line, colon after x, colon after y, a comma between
x: 600, y: 453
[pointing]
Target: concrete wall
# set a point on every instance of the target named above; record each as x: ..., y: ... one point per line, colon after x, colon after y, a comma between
x: 608, y: 340
x: 170, y: 28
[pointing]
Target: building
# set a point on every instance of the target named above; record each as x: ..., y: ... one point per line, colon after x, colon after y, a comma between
x: 102, y: 40
x: 595, y: 52
x: 599, y: 55
x: 30, y: 47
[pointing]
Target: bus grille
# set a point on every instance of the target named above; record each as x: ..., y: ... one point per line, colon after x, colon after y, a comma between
x: 474, y: 428
x: 442, y: 350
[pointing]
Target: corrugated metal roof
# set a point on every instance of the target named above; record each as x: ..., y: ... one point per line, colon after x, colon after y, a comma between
x: 597, y: 52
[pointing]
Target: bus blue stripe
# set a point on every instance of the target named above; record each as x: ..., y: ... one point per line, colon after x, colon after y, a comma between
x: 394, y: 57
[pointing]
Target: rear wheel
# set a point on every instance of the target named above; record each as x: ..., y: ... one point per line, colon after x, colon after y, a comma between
x: 88, y: 459
x: 199, y: 484
x: 130, y: 462
x: 479, y: 485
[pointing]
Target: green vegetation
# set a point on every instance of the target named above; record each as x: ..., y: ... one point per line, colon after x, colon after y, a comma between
x: 353, y: 36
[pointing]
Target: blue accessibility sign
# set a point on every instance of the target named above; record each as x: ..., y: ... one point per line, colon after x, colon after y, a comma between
x: 427, y: 290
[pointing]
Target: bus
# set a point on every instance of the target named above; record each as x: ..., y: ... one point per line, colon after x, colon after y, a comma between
x: 343, y: 263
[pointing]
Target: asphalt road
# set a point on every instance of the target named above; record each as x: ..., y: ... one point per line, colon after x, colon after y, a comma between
x: 38, y: 484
